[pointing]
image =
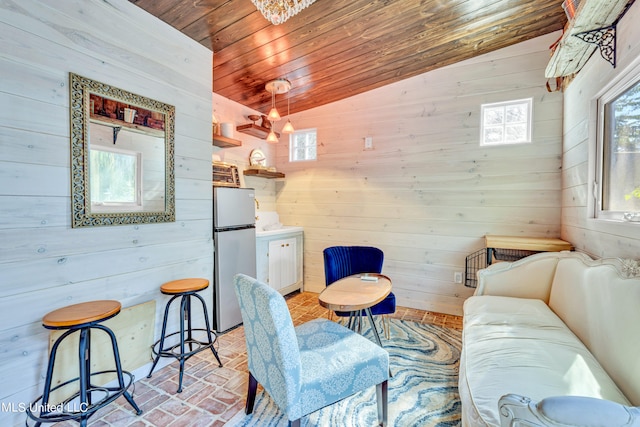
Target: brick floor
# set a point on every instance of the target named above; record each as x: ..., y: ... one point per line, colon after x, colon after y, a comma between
x: 212, y: 395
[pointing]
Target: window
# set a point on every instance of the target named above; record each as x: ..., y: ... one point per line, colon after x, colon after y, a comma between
x: 116, y: 178
x: 619, y: 152
x: 505, y: 123
x: 302, y: 145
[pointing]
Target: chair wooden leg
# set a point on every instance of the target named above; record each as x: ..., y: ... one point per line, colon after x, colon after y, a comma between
x: 381, y: 397
x: 294, y: 423
x: 251, y: 394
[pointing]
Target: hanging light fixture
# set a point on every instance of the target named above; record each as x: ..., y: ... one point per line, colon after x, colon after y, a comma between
x: 276, y: 87
x: 273, y: 115
x: 272, y: 137
x: 278, y: 11
x: 288, y: 127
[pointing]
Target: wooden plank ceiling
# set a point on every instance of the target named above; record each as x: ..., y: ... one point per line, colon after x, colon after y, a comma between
x: 338, y: 48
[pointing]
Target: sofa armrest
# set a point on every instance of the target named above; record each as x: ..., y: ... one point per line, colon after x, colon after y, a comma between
x: 530, y: 277
x: 562, y: 411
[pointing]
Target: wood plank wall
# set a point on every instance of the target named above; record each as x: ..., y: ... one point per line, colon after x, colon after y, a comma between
x: 427, y: 193
x: 44, y: 264
x: 597, y: 238
x: 226, y: 110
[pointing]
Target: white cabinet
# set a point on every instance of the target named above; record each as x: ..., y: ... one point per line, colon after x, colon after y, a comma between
x: 279, y: 261
x: 282, y: 263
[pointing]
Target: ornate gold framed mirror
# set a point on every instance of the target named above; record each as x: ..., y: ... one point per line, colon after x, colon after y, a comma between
x: 122, y: 156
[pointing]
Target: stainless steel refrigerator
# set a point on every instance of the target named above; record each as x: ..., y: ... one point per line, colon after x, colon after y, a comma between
x: 234, y: 236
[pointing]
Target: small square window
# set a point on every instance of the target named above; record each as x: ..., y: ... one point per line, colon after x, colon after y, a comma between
x: 504, y: 123
x: 302, y: 145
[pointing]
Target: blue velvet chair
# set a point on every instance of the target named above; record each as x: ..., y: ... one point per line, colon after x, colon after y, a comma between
x: 343, y: 261
x: 307, y: 367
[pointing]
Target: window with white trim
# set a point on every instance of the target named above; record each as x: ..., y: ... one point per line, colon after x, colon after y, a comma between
x: 504, y: 123
x: 618, y: 173
x: 116, y: 179
x: 302, y: 145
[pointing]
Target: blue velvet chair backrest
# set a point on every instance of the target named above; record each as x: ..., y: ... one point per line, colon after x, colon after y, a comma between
x: 343, y: 261
x: 272, y: 346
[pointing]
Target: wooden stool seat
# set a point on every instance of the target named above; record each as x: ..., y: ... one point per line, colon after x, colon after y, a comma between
x: 184, y: 285
x: 80, y: 314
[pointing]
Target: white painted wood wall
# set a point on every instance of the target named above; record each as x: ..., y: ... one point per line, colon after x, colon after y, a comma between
x: 427, y: 193
x: 597, y: 238
x: 229, y: 111
x: 44, y: 264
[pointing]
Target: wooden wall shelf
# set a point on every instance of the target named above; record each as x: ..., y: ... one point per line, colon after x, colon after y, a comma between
x: 224, y: 142
x: 572, y: 53
x: 134, y: 127
x: 255, y: 130
x: 263, y: 173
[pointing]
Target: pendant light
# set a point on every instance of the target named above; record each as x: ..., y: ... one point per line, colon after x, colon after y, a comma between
x: 272, y: 137
x: 273, y: 116
x: 288, y: 127
x: 276, y: 87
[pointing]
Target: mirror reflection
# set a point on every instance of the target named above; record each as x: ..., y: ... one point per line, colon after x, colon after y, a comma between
x: 122, y: 156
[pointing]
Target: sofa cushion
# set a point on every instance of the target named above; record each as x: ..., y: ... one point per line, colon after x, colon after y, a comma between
x: 516, y: 345
x: 600, y: 305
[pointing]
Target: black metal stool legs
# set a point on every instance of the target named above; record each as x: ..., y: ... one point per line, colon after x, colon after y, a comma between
x: 84, y: 362
x: 186, y: 336
x: 119, y: 371
x: 184, y: 313
x: 208, y: 327
x: 81, y: 405
x: 162, y: 337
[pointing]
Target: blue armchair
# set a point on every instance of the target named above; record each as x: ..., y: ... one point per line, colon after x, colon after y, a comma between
x: 307, y: 367
x: 343, y: 261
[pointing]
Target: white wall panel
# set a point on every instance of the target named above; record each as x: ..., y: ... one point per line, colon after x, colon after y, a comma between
x: 44, y: 264
x: 427, y: 193
x: 596, y: 237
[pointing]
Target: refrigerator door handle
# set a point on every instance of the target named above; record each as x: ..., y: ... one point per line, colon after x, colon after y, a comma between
x: 243, y: 227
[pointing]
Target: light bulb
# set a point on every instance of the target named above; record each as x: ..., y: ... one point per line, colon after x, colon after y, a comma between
x: 272, y: 138
x: 288, y: 127
x: 273, y: 116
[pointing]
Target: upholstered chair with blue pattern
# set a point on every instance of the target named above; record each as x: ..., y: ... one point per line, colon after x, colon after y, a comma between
x: 343, y: 261
x: 307, y: 367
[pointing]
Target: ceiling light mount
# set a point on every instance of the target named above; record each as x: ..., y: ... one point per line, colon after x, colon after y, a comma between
x: 278, y: 86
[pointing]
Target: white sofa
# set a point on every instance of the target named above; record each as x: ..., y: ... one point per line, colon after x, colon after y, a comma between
x: 546, y: 329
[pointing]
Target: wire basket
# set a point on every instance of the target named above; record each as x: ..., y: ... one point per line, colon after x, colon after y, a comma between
x: 478, y: 260
x: 511, y: 255
x: 474, y: 262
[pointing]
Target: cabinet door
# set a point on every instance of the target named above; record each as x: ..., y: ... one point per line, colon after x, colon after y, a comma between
x: 282, y: 263
x: 289, y: 269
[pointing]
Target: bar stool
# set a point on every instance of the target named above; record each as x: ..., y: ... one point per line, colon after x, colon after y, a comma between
x: 80, y: 406
x: 184, y: 288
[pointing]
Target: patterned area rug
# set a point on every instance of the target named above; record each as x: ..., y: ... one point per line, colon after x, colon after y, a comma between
x: 422, y: 392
